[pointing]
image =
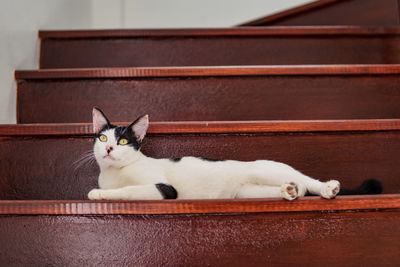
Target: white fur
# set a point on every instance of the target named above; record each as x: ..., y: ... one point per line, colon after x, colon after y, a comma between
x: 128, y: 174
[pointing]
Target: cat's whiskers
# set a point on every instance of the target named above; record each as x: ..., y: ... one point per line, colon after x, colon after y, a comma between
x: 87, y: 159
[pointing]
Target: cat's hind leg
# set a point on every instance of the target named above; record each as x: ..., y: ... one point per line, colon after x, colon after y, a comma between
x: 275, y: 174
x: 330, y: 189
x: 289, y: 191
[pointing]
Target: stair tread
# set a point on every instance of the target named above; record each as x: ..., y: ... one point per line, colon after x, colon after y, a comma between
x: 349, y: 151
x: 306, y: 204
x: 218, y: 127
x: 204, y: 71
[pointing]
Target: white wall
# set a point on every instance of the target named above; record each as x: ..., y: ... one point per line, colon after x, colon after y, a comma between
x: 19, y: 23
x: 21, y: 19
x: 183, y: 13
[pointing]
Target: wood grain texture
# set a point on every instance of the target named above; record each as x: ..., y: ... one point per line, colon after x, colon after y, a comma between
x: 281, y: 239
x: 305, y: 204
x: 219, y: 47
x: 209, y: 94
x: 43, y: 167
x: 335, y: 12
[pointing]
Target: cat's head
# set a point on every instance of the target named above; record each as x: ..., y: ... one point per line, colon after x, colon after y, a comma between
x: 117, y: 146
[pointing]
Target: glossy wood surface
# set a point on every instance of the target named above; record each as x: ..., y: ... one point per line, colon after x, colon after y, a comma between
x: 39, y: 164
x: 207, y: 127
x: 335, y: 12
x: 221, y: 206
x: 368, y: 238
x: 216, y: 47
x: 207, y: 94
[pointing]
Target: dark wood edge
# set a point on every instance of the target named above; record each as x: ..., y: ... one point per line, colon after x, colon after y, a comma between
x: 305, y: 204
x: 141, y: 72
x: 212, y: 127
x: 310, y: 7
x: 219, y: 32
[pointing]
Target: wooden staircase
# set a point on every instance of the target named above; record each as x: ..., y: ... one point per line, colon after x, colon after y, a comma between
x: 345, y: 232
x: 322, y: 99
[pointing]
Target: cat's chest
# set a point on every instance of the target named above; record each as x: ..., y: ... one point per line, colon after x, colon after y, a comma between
x: 116, y: 178
x: 110, y: 179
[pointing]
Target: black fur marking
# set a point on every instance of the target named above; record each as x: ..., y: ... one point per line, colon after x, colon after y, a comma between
x: 105, y: 128
x: 121, y: 132
x: 126, y: 132
x: 368, y: 187
x: 211, y: 160
x: 102, y: 113
x: 167, y: 191
x: 175, y: 159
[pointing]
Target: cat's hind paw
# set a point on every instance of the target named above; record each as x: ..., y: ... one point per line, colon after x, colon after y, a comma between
x: 290, y: 191
x: 96, y: 194
x: 330, y: 189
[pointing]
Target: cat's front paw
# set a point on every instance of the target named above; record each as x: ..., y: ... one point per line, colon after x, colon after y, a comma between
x: 289, y: 191
x: 96, y: 194
x: 330, y: 189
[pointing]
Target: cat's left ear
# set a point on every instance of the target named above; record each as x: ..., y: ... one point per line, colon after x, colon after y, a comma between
x: 139, y: 127
x: 99, y: 120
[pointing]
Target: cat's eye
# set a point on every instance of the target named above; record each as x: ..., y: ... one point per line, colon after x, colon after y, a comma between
x: 103, y: 138
x: 123, y: 141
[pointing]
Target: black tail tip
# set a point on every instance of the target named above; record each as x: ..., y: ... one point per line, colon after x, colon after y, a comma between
x: 368, y: 187
x: 371, y: 187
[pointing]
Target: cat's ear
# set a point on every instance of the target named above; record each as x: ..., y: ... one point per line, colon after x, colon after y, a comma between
x: 139, y: 127
x: 99, y: 120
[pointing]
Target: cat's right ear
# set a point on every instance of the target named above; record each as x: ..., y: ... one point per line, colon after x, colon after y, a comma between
x: 99, y: 120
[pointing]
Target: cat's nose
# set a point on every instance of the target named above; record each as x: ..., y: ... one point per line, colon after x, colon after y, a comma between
x: 109, y: 149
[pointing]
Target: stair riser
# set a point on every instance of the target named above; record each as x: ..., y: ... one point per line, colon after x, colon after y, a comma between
x: 211, y: 98
x: 219, y: 51
x: 42, y: 168
x: 318, y: 239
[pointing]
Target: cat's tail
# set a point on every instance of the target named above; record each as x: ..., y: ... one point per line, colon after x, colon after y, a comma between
x: 368, y: 187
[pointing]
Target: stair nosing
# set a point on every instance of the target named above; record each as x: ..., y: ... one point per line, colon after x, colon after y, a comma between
x: 221, y: 32
x: 219, y: 206
x: 207, y: 71
x: 211, y: 127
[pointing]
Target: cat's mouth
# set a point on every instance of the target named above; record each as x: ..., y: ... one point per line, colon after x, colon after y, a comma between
x: 109, y: 157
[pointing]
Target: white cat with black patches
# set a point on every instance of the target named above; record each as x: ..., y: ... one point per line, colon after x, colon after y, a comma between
x: 127, y: 174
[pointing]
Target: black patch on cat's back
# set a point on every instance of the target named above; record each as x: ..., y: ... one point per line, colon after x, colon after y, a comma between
x: 167, y: 191
x: 211, y: 160
x: 175, y: 159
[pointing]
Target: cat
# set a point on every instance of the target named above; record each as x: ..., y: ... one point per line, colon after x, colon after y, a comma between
x: 127, y: 174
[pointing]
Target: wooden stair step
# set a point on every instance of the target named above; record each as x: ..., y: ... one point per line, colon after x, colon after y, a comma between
x: 38, y: 160
x: 335, y: 12
x: 212, y: 206
x: 216, y: 47
x: 235, y: 233
x: 210, y: 93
